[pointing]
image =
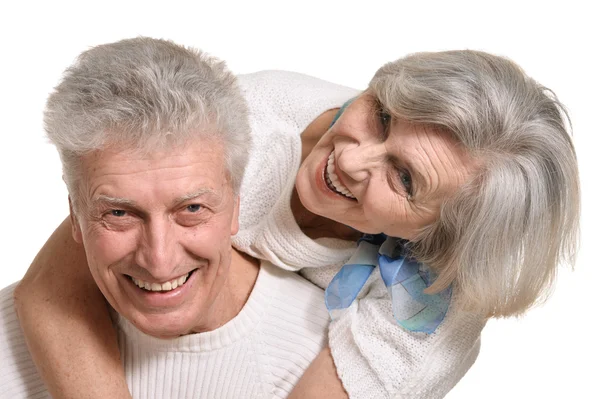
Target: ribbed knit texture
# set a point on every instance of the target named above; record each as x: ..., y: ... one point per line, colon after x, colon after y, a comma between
x: 18, y: 376
x: 374, y: 357
x: 261, y: 353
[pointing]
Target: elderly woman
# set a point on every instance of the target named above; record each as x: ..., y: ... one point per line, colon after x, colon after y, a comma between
x: 458, y: 167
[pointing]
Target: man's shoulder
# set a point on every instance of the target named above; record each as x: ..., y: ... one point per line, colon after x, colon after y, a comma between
x: 295, y: 302
x: 293, y: 284
x: 18, y: 376
x: 8, y: 315
x: 293, y: 329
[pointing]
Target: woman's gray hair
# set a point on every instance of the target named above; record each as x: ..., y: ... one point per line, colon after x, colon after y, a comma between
x: 500, y: 238
x: 145, y: 94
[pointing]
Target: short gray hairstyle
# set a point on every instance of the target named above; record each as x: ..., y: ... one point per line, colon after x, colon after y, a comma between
x: 500, y: 238
x: 145, y: 94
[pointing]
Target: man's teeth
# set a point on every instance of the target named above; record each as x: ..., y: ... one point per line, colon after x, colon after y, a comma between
x: 333, y: 181
x: 168, y: 286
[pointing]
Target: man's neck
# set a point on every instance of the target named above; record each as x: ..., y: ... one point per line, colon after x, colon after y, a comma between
x: 242, y: 276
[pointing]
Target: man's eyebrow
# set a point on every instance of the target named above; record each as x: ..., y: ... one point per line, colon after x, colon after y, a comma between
x: 114, y: 201
x: 117, y: 201
x: 193, y: 195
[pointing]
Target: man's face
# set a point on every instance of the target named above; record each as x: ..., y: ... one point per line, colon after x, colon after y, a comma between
x: 162, y: 221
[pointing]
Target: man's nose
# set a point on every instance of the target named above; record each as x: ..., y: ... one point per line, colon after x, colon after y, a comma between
x: 157, y: 250
x: 358, y: 161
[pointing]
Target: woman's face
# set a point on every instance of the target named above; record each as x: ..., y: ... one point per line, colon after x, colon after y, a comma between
x: 379, y: 174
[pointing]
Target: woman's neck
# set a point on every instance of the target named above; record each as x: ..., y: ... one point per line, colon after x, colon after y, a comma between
x: 315, y: 226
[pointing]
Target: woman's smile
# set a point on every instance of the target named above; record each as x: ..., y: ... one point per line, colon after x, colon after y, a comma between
x: 333, y: 181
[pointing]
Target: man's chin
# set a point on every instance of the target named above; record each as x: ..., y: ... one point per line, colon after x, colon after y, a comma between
x: 164, y: 332
x: 163, y: 326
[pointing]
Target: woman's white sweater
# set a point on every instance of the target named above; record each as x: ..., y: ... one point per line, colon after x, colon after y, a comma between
x: 374, y: 357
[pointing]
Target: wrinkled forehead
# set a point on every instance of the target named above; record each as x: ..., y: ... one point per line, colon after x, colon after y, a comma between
x: 155, y: 149
x: 202, y: 160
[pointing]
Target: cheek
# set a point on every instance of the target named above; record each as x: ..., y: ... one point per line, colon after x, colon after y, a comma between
x: 389, y: 214
x: 383, y: 204
x: 105, y: 248
x: 209, y: 241
x: 214, y: 252
x: 414, y: 222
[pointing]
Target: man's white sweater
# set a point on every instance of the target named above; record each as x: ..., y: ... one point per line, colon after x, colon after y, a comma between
x: 261, y: 353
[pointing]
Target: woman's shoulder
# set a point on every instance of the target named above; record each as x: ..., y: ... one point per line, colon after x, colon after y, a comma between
x: 283, y: 80
x: 291, y: 94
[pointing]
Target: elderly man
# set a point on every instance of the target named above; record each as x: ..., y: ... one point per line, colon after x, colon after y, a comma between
x: 153, y: 139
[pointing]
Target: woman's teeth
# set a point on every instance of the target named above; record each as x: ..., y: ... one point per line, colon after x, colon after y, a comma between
x: 333, y: 182
x: 168, y: 286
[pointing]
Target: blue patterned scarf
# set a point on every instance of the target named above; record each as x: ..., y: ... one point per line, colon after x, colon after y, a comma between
x: 404, y: 277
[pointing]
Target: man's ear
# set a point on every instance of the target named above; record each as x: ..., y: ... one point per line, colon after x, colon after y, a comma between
x: 75, y: 228
x: 235, y: 219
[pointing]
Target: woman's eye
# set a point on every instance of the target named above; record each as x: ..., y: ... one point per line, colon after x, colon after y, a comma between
x: 118, y: 213
x: 406, y: 181
x: 384, y: 118
x: 193, y: 208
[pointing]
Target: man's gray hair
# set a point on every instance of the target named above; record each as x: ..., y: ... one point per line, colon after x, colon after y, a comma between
x: 500, y: 238
x: 144, y: 94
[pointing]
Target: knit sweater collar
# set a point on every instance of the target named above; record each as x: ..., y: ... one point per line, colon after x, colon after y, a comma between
x: 234, y: 330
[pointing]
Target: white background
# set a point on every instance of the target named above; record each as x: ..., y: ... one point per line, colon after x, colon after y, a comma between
x: 552, y: 352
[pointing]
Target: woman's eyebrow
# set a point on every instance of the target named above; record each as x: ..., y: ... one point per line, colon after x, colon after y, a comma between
x: 417, y: 175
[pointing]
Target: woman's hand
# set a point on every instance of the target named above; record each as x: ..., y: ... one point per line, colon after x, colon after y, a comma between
x: 67, y: 325
x: 320, y: 380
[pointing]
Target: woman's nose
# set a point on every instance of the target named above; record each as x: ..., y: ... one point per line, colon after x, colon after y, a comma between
x: 359, y: 161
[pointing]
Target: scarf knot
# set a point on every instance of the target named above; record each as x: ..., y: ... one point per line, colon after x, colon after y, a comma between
x: 404, y: 278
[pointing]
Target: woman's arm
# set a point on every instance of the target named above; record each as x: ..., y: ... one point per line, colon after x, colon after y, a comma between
x: 66, y: 323
x: 320, y: 380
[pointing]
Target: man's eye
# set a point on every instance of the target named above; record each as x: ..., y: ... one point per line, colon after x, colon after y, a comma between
x: 194, y: 208
x: 193, y: 215
x: 118, y: 213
